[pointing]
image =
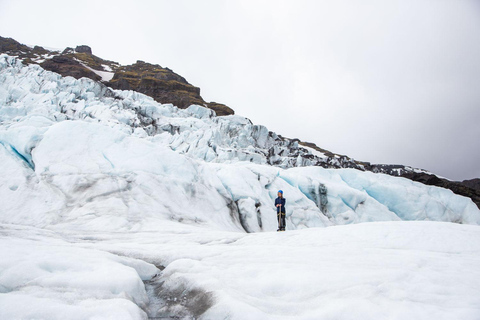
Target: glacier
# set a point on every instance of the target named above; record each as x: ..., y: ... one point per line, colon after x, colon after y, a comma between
x: 81, y: 148
x: 111, y: 189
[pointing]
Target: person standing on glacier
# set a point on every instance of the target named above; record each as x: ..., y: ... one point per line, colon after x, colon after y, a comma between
x: 280, y: 204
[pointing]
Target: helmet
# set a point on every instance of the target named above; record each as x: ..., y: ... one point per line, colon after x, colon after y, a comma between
x: 280, y: 191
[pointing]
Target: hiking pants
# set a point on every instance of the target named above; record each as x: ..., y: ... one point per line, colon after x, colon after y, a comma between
x: 281, y: 223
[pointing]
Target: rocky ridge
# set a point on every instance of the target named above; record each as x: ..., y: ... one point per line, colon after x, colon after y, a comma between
x: 472, y: 183
x: 162, y: 84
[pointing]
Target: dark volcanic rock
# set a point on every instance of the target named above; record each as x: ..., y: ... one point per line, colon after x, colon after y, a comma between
x: 14, y: 48
x: 220, y: 109
x: 11, y: 46
x: 162, y: 84
x: 67, y: 66
x: 39, y: 50
x: 473, y: 183
x: 83, y: 49
x: 456, y: 187
x: 68, y: 50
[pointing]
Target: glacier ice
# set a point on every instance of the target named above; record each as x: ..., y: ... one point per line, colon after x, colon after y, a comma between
x: 78, y: 153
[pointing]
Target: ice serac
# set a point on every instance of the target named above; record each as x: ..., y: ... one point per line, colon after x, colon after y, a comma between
x: 78, y: 153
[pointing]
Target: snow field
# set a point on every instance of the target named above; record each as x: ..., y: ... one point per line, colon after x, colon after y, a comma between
x: 44, y: 277
x: 381, y: 270
x: 395, y: 270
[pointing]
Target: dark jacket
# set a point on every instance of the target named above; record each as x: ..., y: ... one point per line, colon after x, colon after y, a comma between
x: 282, y: 202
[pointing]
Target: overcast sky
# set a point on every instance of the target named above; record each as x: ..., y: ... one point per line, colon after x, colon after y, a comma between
x: 381, y: 81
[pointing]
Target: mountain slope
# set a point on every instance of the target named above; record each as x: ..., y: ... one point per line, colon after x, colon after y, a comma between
x: 165, y: 86
x: 472, y: 183
x: 162, y: 84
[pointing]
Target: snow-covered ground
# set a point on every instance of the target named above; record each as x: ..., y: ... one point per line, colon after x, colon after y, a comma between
x: 105, y: 75
x: 384, y: 270
x: 101, y: 190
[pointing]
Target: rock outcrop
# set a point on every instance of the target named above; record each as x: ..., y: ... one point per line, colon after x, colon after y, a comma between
x: 83, y: 49
x: 473, y: 183
x: 220, y: 109
x: 162, y: 84
x: 67, y: 66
